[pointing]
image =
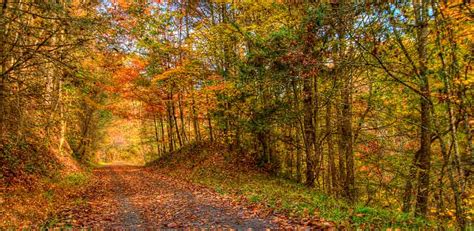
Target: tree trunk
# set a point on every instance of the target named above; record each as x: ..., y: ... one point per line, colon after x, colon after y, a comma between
x: 408, y: 191
x: 341, y: 158
x: 424, y: 163
x: 331, y: 164
x: 197, y: 133
x: 308, y: 131
x: 181, y: 117
x: 346, y: 136
x: 170, y: 126
x: 209, y: 120
x: 157, y: 139
x: 317, y: 145
x: 298, y: 156
x: 163, y: 144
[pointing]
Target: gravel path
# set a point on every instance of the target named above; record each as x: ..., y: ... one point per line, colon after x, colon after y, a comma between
x: 139, y: 198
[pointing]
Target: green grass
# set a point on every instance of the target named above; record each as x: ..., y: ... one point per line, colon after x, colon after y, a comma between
x: 75, y: 179
x: 49, y: 195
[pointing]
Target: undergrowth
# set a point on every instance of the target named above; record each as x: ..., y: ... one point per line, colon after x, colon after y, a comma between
x: 23, y: 207
x: 23, y: 161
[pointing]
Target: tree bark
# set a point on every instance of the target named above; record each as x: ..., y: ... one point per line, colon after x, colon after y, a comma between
x: 157, y: 139
x: 309, y: 135
x: 331, y: 164
x: 424, y: 163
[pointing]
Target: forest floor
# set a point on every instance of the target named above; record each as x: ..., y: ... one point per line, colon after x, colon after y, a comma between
x: 138, y: 197
x: 199, y: 186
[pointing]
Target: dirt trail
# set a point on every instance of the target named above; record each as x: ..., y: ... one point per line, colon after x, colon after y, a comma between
x: 139, y: 198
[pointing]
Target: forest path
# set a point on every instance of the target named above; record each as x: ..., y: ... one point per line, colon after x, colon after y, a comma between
x: 139, y: 198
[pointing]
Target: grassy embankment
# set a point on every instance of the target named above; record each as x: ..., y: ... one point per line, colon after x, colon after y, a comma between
x: 212, y: 167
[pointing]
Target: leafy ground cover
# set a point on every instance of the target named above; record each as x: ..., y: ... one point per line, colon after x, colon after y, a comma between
x: 37, y: 180
x: 37, y: 206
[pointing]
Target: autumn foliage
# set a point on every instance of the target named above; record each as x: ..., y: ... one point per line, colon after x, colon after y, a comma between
x: 368, y: 103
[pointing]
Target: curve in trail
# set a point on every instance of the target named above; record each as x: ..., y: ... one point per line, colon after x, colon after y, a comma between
x: 139, y: 198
